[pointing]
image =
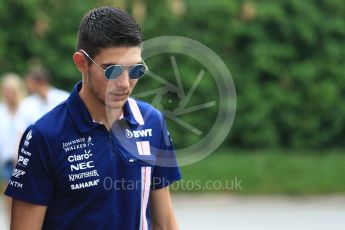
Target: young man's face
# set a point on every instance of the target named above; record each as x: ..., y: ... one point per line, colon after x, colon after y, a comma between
x: 113, y: 93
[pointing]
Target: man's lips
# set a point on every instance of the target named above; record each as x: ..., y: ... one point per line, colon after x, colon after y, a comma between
x: 118, y: 96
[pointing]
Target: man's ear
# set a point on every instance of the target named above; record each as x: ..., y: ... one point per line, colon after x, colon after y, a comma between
x: 80, y: 61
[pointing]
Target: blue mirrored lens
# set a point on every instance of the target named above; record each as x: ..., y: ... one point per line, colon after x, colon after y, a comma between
x: 113, y: 71
x: 136, y: 71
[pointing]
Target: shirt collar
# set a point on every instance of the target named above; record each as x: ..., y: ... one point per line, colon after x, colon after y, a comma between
x: 82, y: 118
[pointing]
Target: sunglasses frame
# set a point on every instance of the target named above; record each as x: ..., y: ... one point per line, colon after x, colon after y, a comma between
x: 121, y: 66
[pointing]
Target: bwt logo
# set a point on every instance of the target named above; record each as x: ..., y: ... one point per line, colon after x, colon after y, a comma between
x: 138, y: 133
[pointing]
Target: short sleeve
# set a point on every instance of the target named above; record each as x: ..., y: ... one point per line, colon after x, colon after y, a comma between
x: 32, y: 179
x: 166, y: 171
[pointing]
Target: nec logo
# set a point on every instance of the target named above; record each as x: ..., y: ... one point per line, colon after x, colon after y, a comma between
x: 81, y: 166
x: 138, y: 133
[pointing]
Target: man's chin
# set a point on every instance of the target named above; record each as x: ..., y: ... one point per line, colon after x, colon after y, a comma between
x: 114, y: 105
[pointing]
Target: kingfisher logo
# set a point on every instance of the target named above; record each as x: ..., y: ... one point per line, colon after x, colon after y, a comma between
x: 138, y: 133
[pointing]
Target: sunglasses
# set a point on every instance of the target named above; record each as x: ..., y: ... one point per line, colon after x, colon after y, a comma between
x: 135, y: 71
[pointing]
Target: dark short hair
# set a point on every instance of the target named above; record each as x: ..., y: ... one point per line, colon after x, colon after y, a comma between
x: 106, y: 27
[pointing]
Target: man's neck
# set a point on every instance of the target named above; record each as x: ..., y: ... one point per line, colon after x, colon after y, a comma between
x: 98, y: 111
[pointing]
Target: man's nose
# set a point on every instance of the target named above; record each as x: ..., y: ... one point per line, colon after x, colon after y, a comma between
x: 122, y: 81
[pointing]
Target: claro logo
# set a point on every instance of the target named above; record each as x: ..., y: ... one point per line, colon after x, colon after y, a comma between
x: 138, y: 133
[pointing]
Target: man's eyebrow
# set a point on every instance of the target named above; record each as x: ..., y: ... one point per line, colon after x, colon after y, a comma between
x: 105, y: 65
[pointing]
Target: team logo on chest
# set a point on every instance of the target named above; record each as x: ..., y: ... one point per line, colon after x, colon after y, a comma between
x: 78, y: 143
x: 138, y: 133
x: 82, y: 169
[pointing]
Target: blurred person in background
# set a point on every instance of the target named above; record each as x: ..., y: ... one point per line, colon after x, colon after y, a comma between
x: 43, y: 97
x: 12, y: 92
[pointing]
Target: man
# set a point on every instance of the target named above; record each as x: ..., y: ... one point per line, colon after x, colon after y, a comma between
x: 100, y: 159
x: 43, y: 98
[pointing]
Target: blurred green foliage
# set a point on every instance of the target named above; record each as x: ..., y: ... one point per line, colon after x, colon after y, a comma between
x: 266, y: 171
x: 287, y: 59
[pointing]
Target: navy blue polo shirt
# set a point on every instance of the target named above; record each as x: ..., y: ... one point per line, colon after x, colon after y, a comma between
x: 89, y: 177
